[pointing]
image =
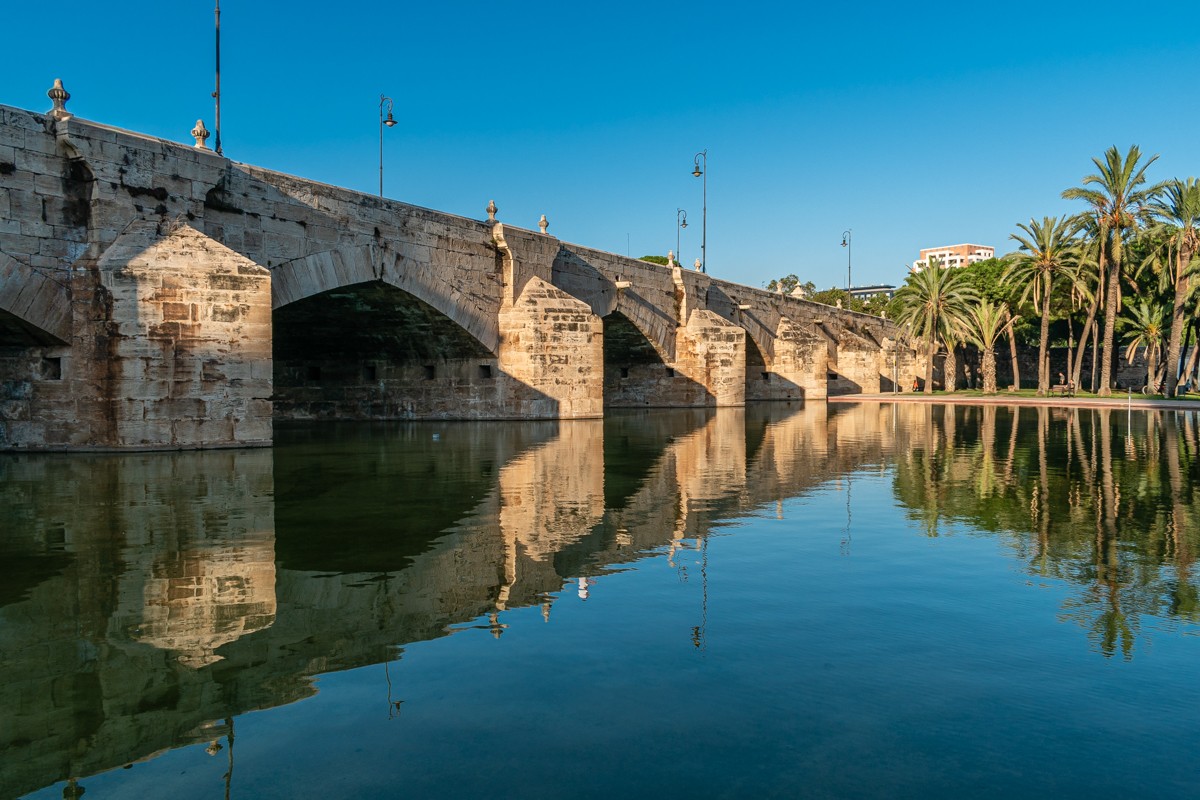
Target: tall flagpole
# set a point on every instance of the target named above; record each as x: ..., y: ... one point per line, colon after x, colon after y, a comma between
x: 217, y: 94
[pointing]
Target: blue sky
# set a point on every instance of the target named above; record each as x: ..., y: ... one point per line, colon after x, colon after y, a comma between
x: 913, y: 125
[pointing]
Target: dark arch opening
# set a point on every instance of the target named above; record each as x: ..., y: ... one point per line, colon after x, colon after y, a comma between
x: 758, y: 377
x: 373, y: 351
x: 16, y: 332
x: 625, y: 345
x: 762, y: 383
x: 634, y: 371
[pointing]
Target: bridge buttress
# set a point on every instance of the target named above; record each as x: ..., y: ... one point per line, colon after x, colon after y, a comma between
x: 711, y: 352
x: 552, y: 349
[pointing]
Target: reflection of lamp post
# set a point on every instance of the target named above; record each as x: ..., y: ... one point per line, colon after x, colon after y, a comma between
x: 390, y: 123
x: 846, y: 237
x: 680, y: 222
x: 697, y: 172
x: 700, y: 632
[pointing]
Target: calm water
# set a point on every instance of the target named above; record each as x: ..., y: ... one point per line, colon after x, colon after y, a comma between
x: 841, y: 601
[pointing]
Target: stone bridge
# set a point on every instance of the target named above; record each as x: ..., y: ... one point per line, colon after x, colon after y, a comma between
x: 155, y: 295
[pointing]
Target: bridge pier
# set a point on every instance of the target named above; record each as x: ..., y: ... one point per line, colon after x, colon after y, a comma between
x: 552, y: 352
x: 171, y: 349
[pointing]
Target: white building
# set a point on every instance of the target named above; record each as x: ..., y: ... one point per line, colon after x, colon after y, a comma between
x: 955, y: 255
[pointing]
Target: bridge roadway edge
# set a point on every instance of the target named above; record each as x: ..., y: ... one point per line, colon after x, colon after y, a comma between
x: 141, y: 282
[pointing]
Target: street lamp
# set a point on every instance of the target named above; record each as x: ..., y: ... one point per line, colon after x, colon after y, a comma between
x: 846, y: 240
x: 698, y: 172
x: 391, y: 123
x: 680, y: 222
x: 217, y: 93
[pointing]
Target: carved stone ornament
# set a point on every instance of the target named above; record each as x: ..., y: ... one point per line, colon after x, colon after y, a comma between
x: 59, y: 96
x: 543, y: 223
x: 491, y: 210
x: 201, y: 134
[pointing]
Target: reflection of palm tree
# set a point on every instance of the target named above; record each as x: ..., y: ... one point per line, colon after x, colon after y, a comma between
x: 1041, y: 511
x: 1186, y: 599
x: 987, y: 481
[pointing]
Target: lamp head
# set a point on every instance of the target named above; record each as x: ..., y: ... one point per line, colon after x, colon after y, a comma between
x: 391, y: 123
x: 843, y: 241
x: 684, y: 223
x: 696, y: 172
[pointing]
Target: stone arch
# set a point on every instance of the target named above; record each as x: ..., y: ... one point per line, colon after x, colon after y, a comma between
x: 371, y: 350
x: 326, y: 271
x: 626, y: 342
x: 35, y: 305
x: 758, y: 367
x: 636, y: 368
x: 658, y: 328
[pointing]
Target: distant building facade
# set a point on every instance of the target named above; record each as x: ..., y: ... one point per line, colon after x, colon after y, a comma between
x: 867, y: 292
x: 955, y: 255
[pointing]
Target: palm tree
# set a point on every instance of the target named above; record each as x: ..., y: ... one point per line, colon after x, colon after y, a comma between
x: 1117, y: 204
x: 1047, y: 249
x: 934, y: 301
x: 950, y: 365
x: 985, y: 323
x: 1147, y: 328
x: 1177, y: 211
x: 1086, y: 275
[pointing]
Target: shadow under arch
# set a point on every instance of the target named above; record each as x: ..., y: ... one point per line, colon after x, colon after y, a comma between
x: 35, y: 307
x: 330, y: 270
x: 370, y: 350
x: 636, y: 373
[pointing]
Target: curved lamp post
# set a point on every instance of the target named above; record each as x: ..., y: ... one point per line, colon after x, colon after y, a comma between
x: 698, y: 172
x: 391, y: 123
x: 846, y: 242
x: 680, y: 222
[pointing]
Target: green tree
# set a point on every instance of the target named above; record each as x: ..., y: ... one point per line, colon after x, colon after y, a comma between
x: 1047, y: 249
x: 986, y: 277
x: 1118, y: 198
x: 984, y: 323
x: 876, y: 305
x: 934, y: 302
x: 655, y: 259
x: 836, y: 297
x: 786, y: 284
x: 1177, y: 212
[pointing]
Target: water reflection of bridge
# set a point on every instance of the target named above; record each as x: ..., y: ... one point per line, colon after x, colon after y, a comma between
x: 143, y: 597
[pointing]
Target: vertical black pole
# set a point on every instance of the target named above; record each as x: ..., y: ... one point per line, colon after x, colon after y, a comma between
x: 217, y: 93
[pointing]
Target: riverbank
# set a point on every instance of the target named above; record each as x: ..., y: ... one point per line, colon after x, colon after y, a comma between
x: 977, y: 398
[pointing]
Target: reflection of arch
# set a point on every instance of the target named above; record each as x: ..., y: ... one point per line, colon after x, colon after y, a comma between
x: 333, y: 269
x: 35, y: 309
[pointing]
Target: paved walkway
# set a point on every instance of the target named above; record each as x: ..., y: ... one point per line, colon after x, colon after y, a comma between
x: 1002, y: 399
